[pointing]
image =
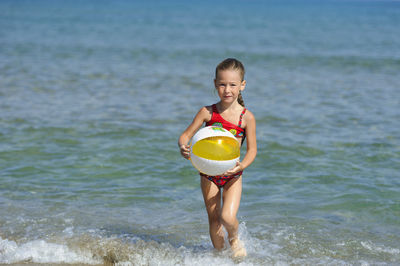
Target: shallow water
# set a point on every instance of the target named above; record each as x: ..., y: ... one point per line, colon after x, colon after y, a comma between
x: 94, y: 95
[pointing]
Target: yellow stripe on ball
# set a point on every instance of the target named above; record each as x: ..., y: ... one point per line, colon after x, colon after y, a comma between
x: 217, y: 148
x: 214, y: 150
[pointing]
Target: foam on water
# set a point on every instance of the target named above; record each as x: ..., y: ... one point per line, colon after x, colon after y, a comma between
x: 40, y: 251
x: 94, y: 250
x: 282, y: 247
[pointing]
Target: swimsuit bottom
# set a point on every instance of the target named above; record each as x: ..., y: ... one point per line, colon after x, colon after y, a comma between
x: 221, y: 180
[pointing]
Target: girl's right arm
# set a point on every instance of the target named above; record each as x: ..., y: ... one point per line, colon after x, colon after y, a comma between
x: 202, y: 116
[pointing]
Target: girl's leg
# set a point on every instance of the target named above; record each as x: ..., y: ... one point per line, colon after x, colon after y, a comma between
x: 231, y: 201
x: 212, y: 200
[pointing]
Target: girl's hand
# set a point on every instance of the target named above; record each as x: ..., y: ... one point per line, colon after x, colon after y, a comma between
x: 235, y: 169
x: 185, y: 151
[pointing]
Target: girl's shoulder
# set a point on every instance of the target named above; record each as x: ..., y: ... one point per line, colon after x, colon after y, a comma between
x: 208, y: 109
x: 211, y: 107
x: 205, y: 113
x: 248, y: 113
x: 248, y: 117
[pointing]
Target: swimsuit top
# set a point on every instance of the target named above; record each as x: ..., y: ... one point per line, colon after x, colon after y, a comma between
x: 217, y: 120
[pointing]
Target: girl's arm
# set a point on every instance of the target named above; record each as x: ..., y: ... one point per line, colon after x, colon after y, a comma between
x: 202, y: 116
x: 251, y: 151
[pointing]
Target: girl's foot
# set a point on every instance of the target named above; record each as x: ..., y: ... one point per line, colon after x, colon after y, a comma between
x: 238, y: 249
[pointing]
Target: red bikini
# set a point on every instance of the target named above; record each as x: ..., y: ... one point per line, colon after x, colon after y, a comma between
x: 217, y: 120
x: 236, y: 130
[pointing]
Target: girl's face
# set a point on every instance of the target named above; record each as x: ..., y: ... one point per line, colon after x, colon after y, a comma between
x: 228, y: 84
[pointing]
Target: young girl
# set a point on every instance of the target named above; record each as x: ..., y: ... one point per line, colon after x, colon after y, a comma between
x: 231, y: 114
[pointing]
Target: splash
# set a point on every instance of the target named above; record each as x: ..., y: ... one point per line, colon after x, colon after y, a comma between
x: 40, y: 251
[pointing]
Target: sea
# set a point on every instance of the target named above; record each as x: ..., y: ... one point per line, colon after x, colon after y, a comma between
x: 94, y: 95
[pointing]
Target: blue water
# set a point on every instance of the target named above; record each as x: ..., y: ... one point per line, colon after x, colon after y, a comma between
x: 94, y: 95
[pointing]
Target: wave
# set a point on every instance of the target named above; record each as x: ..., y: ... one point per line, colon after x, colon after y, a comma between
x: 273, y: 244
x: 108, y: 251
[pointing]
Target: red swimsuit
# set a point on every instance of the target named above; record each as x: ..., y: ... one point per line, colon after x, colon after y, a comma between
x: 236, y: 130
x: 217, y: 120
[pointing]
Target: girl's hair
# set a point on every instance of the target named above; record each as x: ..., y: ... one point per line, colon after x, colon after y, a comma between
x: 232, y: 64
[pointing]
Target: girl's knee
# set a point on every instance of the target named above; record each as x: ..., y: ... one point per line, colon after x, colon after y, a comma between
x: 213, y: 217
x: 214, y: 220
x: 228, y: 219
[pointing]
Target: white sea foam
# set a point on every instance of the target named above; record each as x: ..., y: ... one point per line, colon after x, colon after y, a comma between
x: 40, y: 251
x: 98, y: 251
x: 95, y: 249
x: 282, y: 247
x: 376, y: 248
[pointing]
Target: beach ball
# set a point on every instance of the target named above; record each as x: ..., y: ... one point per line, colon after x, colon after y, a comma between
x: 214, y: 150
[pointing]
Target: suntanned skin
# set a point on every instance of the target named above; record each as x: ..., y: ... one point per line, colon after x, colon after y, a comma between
x: 228, y: 84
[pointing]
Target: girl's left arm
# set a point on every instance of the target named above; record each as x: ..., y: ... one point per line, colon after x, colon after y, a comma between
x: 251, y: 151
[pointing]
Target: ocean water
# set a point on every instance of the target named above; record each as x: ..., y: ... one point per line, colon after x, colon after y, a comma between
x: 94, y: 95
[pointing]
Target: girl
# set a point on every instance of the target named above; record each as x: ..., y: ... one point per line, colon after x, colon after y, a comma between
x: 231, y: 114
